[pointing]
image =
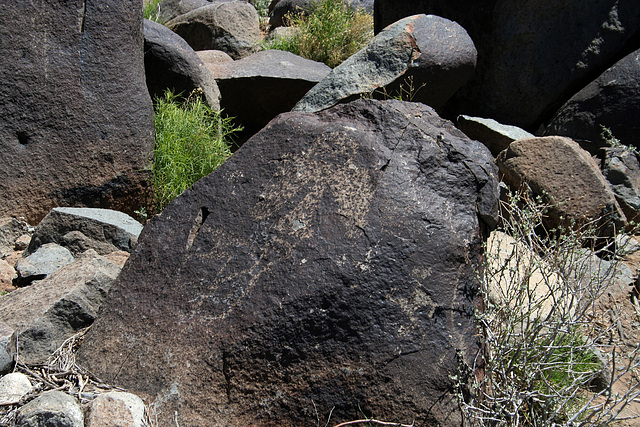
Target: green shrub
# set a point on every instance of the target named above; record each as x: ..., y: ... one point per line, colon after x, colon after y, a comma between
x: 191, y: 141
x: 541, y: 337
x: 151, y: 10
x: 331, y: 33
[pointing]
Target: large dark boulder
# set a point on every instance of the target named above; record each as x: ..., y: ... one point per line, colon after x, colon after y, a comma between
x: 171, y: 64
x: 611, y: 101
x: 257, y: 88
x: 532, y: 56
x: 330, y: 263
x: 76, y: 121
x: 423, y: 57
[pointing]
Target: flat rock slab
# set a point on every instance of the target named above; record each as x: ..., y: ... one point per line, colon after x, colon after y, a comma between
x: 494, y: 135
x: 42, y: 263
x: 48, y: 312
x: 81, y: 229
x: 259, y: 87
x: 423, y: 57
x: 76, y: 120
x: 329, y: 262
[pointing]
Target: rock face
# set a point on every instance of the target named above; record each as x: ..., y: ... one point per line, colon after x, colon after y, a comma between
x: 280, y: 8
x: 116, y: 409
x: 230, y: 26
x: 330, y: 260
x: 170, y: 9
x: 612, y: 100
x: 81, y: 229
x: 566, y: 176
x: 621, y: 169
x: 46, y: 313
x: 261, y: 86
x: 533, y: 53
x: 432, y: 54
x: 76, y: 121
x: 170, y: 63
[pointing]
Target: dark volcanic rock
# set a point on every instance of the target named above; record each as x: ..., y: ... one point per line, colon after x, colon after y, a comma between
x: 612, y: 100
x: 170, y: 63
x: 76, y: 121
x: 330, y: 263
x: 261, y: 86
x: 533, y: 55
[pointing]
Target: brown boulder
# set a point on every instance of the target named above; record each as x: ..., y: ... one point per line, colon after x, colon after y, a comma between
x: 565, y: 176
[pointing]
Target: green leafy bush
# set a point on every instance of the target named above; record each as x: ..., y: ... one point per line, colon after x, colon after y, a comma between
x: 331, y: 33
x: 540, y: 364
x: 192, y: 140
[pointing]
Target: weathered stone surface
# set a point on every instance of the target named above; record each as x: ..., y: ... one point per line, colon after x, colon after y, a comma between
x: 46, y: 260
x: 81, y: 229
x: 170, y: 63
x: 7, y: 274
x: 230, y: 26
x: 50, y: 311
x: 612, y: 100
x: 52, y: 408
x: 261, y: 86
x: 170, y: 9
x: 532, y: 54
x: 76, y: 121
x: 564, y: 175
x: 331, y: 259
x: 433, y: 54
x: 13, y: 387
x: 494, y: 135
x: 621, y: 169
x: 6, y: 359
x: 10, y: 230
x: 213, y: 57
x: 116, y: 409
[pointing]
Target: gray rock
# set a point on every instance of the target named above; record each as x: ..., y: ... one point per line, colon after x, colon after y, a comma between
x: 76, y: 120
x: 259, y: 87
x: 51, y: 409
x: 10, y: 230
x: 14, y: 387
x: 494, y: 135
x: 46, y: 260
x: 80, y: 229
x: 612, y: 100
x: 170, y: 9
x: 171, y: 64
x: 565, y: 176
x: 339, y: 268
x: 6, y: 359
x: 116, y: 409
x: 48, y: 312
x: 621, y: 169
x: 433, y: 54
x: 233, y: 27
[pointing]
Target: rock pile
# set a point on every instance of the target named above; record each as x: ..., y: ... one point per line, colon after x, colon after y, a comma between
x: 329, y: 266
